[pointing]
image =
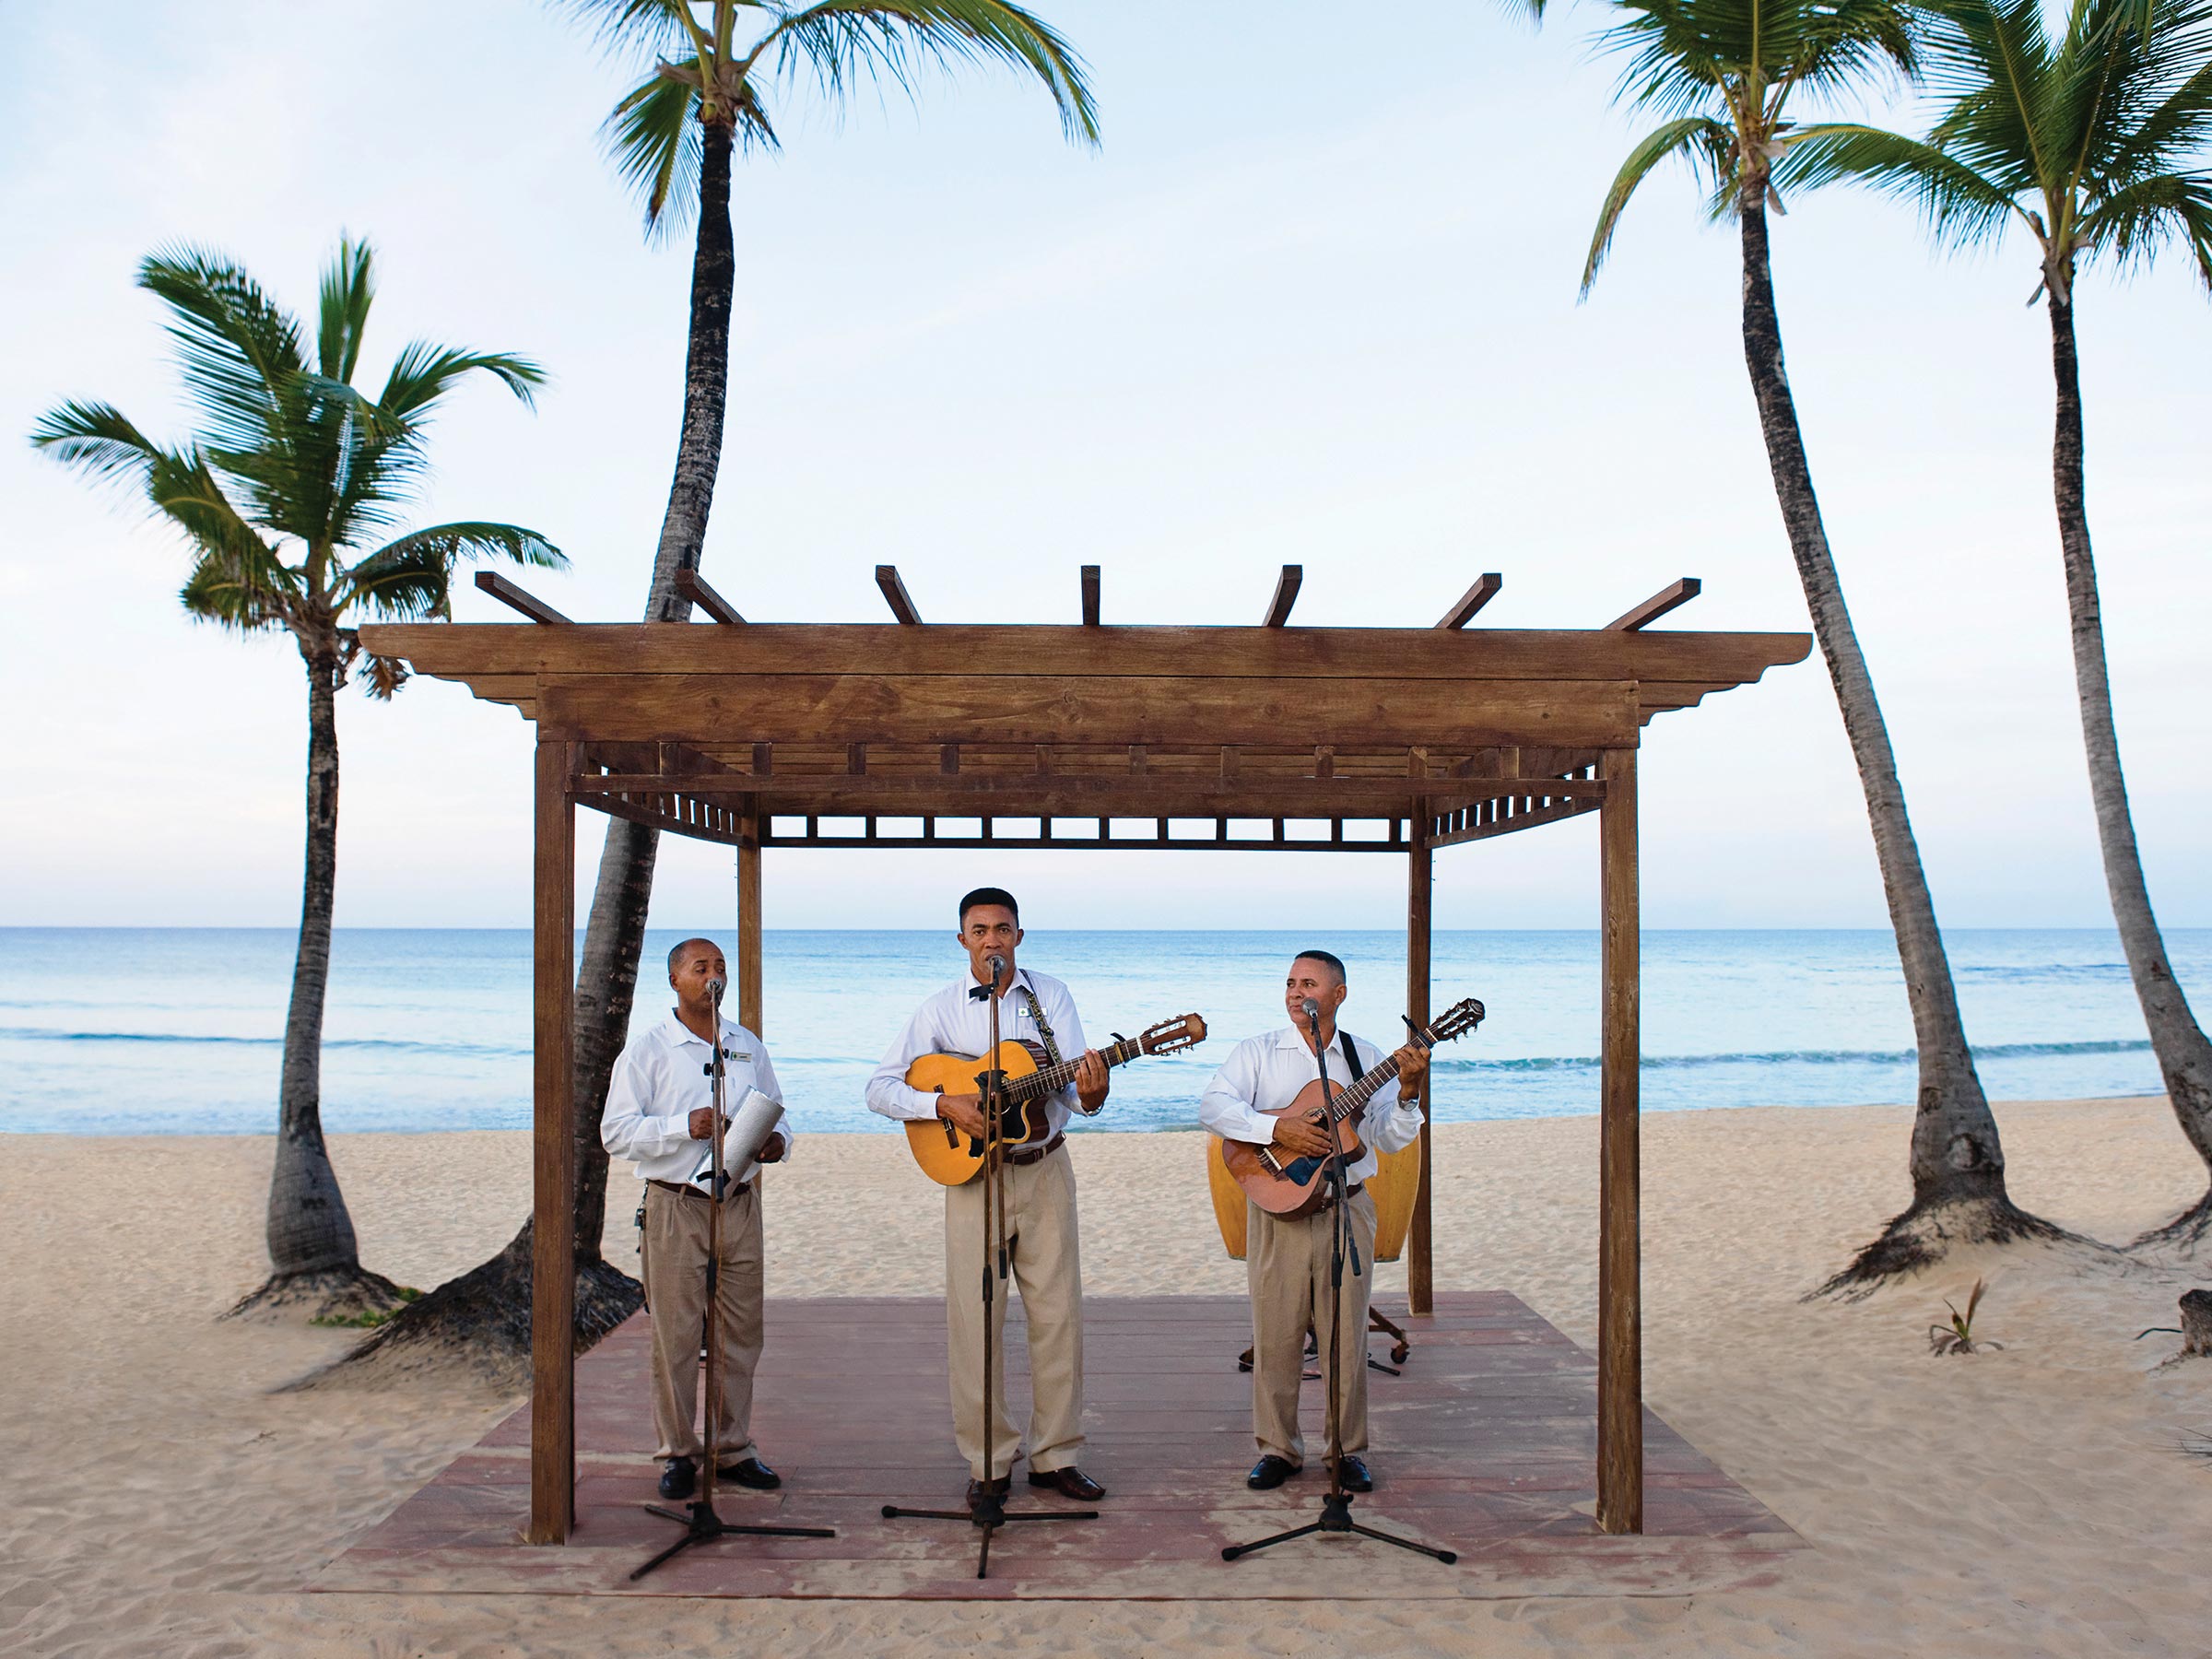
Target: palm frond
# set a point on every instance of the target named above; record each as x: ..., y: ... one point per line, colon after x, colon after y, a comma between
x: 424, y: 373
x: 342, y: 309
x: 1706, y: 143
x: 890, y: 39
x: 238, y: 351
x: 1960, y: 204
x: 411, y: 576
x: 2136, y: 222
x: 655, y: 141
x: 97, y: 440
x: 650, y: 26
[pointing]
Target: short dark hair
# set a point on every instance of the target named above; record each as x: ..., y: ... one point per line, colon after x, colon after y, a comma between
x: 676, y: 951
x: 989, y: 896
x: 1328, y: 960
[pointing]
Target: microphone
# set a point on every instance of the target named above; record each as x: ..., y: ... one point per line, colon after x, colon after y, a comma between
x: 715, y: 988
x: 998, y: 964
x: 1312, y: 1010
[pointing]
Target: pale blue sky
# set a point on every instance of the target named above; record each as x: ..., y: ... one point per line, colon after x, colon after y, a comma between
x: 1314, y: 301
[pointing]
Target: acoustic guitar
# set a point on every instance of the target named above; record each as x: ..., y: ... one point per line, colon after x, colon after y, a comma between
x: 1027, y: 1076
x: 1284, y: 1185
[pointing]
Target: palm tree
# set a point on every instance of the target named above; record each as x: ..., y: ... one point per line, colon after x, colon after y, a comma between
x: 2084, y: 141
x: 704, y: 96
x: 1725, y: 73
x: 286, y: 499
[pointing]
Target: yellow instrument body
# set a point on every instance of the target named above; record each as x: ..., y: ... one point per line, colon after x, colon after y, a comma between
x: 1396, y: 1183
x: 948, y: 1156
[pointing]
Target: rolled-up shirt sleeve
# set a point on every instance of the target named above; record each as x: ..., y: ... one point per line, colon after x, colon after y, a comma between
x: 626, y: 1128
x: 764, y: 1079
x: 1391, y: 1123
x: 1067, y: 1036
x: 1226, y: 1108
x: 887, y: 1094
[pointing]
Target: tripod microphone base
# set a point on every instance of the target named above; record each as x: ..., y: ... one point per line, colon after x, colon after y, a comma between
x: 1336, y: 1517
x: 990, y: 1514
x: 702, y: 1524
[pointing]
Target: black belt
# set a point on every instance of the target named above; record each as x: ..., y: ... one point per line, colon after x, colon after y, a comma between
x: 1037, y: 1153
x: 684, y: 1189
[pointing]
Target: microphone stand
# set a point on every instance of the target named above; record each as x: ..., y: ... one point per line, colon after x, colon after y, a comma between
x: 1336, y: 1502
x: 990, y: 1510
x: 701, y: 1524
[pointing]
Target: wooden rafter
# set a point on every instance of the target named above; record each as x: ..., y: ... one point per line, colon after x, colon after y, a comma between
x: 1285, y: 595
x: 693, y: 586
x: 895, y: 596
x: 1673, y: 595
x: 516, y: 598
x: 1462, y: 610
x: 1090, y: 595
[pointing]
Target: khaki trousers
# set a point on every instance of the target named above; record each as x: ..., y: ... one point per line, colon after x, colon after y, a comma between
x: 672, y: 1260
x: 1048, y: 1270
x: 1287, y: 1264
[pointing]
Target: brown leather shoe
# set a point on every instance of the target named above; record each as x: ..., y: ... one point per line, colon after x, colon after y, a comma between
x: 978, y: 1490
x: 1070, y: 1482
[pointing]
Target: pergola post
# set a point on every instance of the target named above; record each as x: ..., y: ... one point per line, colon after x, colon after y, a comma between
x: 553, y: 1203
x: 1420, y: 867
x: 1620, y: 1314
x: 749, y: 1012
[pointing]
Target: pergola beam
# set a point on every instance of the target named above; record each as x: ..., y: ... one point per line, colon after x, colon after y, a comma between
x: 516, y: 598
x: 693, y: 586
x: 1462, y: 610
x: 1285, y: 595
x: 1640, y: 617
x: 897, y: 597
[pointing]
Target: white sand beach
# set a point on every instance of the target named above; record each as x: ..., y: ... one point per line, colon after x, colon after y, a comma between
x: 2033, y: 1500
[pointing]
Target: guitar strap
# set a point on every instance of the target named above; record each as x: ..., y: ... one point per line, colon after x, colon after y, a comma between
x: 1044, y: 1032
x: 1352, y: 1055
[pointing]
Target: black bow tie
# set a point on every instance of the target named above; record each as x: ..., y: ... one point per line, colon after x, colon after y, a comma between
x: 979, y: 993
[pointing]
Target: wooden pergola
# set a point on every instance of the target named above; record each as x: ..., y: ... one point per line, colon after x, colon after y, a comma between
x: 1274, y: 738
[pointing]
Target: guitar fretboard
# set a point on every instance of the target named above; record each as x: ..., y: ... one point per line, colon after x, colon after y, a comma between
x: 1050, y: 1079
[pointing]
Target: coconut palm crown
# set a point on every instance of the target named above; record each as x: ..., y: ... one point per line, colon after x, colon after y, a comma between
x: 704, y: 79
x: 1725, y: 72
x: 289, y: 500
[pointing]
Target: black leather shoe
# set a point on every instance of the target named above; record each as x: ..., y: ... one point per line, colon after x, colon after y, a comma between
x: 979, y: 1489
x: 1070, y: 1482
x: 679, y: 1479
x: 1269, y: 1473
x: 1356, y: 1477
x: 752, y: 1472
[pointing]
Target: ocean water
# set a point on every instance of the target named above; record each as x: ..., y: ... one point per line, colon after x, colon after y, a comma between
x: 118, y: 1030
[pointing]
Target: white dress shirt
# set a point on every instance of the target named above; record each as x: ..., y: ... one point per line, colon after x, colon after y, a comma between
x: 952, y: 1022
x: 1264, y: 1073
x: 662, y: 1077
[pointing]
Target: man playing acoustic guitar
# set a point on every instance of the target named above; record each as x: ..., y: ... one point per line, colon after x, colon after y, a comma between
x: 1041, y: 1204
x: 1286, y: 1257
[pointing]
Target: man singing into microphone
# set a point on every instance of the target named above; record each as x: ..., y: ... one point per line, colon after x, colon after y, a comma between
x: 660, y: 1111
x: 1041, y: 1204
x: 1286, y: 1259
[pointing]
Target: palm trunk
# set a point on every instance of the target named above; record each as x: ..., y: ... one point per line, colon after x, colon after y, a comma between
x: 607, y: 975
x: 313, y: 1253
x: 482, y: 1316
x: 2184, y: 1056
x: 1958, y: 1165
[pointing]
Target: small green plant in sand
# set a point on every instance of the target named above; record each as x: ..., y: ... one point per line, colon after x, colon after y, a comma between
x: 368, y: 1322
x: 1957, y: 1338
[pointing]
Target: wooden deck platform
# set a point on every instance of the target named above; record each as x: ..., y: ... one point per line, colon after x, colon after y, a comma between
x: 1486, y: 1445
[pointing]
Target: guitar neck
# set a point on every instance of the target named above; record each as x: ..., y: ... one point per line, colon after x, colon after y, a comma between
x: 1052, y: 1078
x: 1354, y: 1095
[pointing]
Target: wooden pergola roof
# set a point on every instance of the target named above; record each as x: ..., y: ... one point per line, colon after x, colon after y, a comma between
x: 1266, y: 738
x: 1239, y: 738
